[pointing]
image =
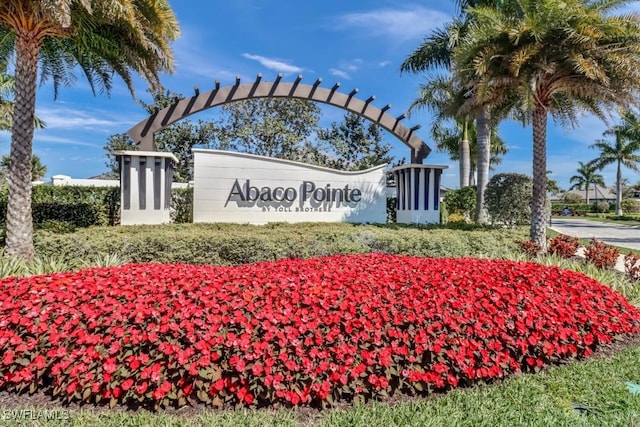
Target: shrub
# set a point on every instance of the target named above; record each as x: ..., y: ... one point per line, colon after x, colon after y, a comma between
x: 530, y: 248
x: 79, y: 206
x: 564, y: 246
x: 508, y: 199
x: 632, y: 265
x: 601, y: 255
x: 297, y: 332
x: 462, y: 201
x: 630, y: 206
x: 602, y: 207
x: 182, y: 205
x: 233, y: 244
x: 456, y: 217
x: 56, y: 226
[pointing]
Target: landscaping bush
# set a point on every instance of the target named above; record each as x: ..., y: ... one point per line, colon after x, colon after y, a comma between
x: 530, y: 248
x: 182, y: 205
x: 563, y: 246
x: 461, y: 201
x: 632, y: 265
x: 601, y: 255
x: 75, y: 205
x: 630, y: 206
x: 297, y: 332
x: 233, y: 244
x: 508, y: 199
x: 602, y: 207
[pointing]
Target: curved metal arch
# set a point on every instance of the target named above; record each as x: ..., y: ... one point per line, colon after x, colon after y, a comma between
x: 143, y: 132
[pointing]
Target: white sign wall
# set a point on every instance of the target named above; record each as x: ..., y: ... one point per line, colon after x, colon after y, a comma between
x: 244, y: 188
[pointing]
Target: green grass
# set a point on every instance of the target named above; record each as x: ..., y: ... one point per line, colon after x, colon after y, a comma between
x: 612, y: 219
x: 549, y: 398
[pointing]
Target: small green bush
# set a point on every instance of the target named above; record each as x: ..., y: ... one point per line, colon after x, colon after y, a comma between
x: 630, y: 206
x: 508, y: 199
x: 602, y: 207
x: 182, y: 205
x: 461, y: 201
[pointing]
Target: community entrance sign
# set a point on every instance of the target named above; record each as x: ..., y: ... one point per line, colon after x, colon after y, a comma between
x: 235, y: 187
x: 238, y: 187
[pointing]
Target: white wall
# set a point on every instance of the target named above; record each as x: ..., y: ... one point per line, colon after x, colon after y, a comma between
x: 222, y: 180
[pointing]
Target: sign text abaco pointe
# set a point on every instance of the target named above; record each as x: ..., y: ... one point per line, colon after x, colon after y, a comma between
x: 244, y: 188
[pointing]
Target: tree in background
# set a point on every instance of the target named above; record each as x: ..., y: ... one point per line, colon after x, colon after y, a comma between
x: 179, y: 138
x: 586, y: 177
x: 558, y: 58
x: 7, y: 86
x: 352, y: 145
x: 624, y: 150
x: 100, y: 38
x: 272, y: 127
x: 38, y: 169
x: 552, y: 185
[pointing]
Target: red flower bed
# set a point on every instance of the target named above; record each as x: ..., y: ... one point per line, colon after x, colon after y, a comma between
x: 296, y: 331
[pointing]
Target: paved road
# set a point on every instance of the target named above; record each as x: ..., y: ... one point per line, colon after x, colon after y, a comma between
x: 613, y: 234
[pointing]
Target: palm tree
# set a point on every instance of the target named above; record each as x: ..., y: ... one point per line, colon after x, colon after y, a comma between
x: 99, y: 37
x: 449, y: 138
x: 624, y: 150
x: 586, y: 176
x: 444, y: 98
x: 38, y: 169
x: 437, y: 51
x: 558, y: 58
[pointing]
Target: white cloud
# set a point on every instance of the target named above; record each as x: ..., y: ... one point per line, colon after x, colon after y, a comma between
x: 345, y: 69
x: 59, y: 140
x: 339, y: 73
x: 404, y: 24
x: 69, y: 118
x: 383, y: 64
x: 274, y: 64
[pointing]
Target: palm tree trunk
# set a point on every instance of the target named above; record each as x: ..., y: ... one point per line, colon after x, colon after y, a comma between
x: 484, y: 155
x: 465, y: 156
x: 538, y: 232
x: 619, y: 190
x: 19, y: 224
x: 586, y: 193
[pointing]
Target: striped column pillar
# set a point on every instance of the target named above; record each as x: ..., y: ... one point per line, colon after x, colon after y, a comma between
x: 418, y: 193
x: 145, y: 186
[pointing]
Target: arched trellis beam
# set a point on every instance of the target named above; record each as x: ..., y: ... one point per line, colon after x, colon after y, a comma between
x: 143, y: 132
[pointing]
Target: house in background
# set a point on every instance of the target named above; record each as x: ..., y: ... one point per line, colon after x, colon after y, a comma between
x: 596, y: 194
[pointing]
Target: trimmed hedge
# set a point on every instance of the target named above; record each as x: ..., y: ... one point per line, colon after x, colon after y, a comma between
x: 78, y: 206
x: 233, y: 244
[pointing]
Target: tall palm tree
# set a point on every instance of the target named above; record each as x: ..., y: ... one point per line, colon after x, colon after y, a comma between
x: 624, y: 150
x: 99, y: 37
x: 436, y: 51
x: 585, y: 178
x: 558, y: 58
x: 449, y: 137
x: 443, y: 98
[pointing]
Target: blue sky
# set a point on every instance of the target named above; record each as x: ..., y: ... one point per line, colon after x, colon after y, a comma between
x: 358, y: 44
